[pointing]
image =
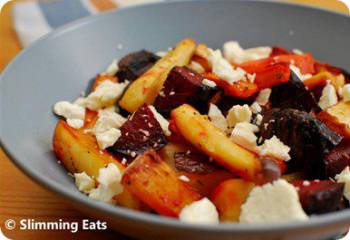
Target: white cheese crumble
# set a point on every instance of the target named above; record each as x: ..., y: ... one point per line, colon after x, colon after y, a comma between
x: 161, y: 53
x: 344, y: 92
x: 73, y: 113
x: 107, y: 126
x: 112, y: 69
x: 184, y: 178
x: 217, y: 118
x: 329, y: 97
x: 238, y: 114
x: 259, y: 119
x: 84, y: 182
x: 273, y: 147
x: 244, y: 135
x: 223, y: 69
x: 209, y: 83
x: 264, y: 96
x: 200, y: 212
x: 255, y: 108
x: 344, y: 177
x: 298, y: 72
x: 298, y: 51
x: 109, y: 184
x: 197, y: 67
x: 272, y: 203
x: 105, y: 95
x: 234, y: 53
x: 164, y: 124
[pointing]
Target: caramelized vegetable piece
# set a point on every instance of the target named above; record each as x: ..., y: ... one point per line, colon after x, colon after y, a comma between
x: 309, y: 139
x: 183, y: 86
x: 336, y: 71
x: 239, y: 89
x: 139, y: 133
x: 146, y: 88
x: 338, y: 159
x: 229, y: 196
x: 155, y: 183
x: 319, y: 197
x: 321, y: 79
x: 304, y: 62
x: 337, y: 118
x: 79, y: 152
x: 200, y: 132
x: 293, y: 94
x: 203, y: 175
x: 133, y: 65
x: 276, y: 51
x: 273, y: 75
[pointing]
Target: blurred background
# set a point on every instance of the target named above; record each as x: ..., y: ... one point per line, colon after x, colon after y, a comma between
x: 21, y: 23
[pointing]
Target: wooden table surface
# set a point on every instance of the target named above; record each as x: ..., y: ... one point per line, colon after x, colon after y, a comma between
x: 20, y: 197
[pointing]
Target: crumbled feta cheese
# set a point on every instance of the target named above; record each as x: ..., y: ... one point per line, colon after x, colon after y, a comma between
x: 197, y: 67
x: 200, y: 212
x: 273, y: 147
x: 264, y: 96
x: 329, y: 97
x: 209, y: 83
x: 259, y: 119
x: 107, y: 119
x: 298, y: 51
x: 272, y: 203
x: 184, y: 178
x: 161, y: 53
x: 107, y: 126
x: 105, y: 95
x: 84, y: 182
x: 108, y: 138
x: 239, y: 114
x: 223, y: 69
x: 244, y: 135
x: 344, y: 92
x: 255, y: 107
x: 112, y: 69
x: 109, y: 184
x: 234, y: 53
x: 298, y: 72
x: 74, y: 114
x: 251, y: 77
x: 217, y: 118
x: 164, y: 124
x: 344, y: 177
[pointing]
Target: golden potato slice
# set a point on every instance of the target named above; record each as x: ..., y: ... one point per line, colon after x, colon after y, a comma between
x: 199, y: 131
x: 337, y: 118
x: 147, y: 87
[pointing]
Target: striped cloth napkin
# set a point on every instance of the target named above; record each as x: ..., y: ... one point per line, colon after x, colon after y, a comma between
x: 33, y: 19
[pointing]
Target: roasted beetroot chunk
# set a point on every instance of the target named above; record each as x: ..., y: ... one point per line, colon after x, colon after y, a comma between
x: 319, y: 197
x: 140, y: 133
x: 194, y: 162
x: 309, y: 139
x: 183, y: 86
x: 338, y: 159
x: 294, y: 94
x: 135, y: 64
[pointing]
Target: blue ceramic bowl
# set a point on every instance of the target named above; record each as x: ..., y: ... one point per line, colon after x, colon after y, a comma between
x: 60, y: 65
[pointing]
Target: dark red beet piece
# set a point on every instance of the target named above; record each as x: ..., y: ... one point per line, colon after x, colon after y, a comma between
x: 338, y: 159
x: 135, y: 64
x: 183, y: 86
x: 272, y: 169
x: 194, y: 162
x: 319, y: 197
x: 277, y: 51
x: 139, y: 133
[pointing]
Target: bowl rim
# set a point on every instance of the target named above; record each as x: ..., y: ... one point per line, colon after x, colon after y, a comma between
x: 325, y: 220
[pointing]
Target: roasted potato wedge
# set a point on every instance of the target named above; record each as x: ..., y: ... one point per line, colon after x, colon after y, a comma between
x: 79, y: 152
x: 146, y: 88
x: 229, y: 196
x: 155, y: 183
x: 203, y: 175
x: 337, y: 118
x: 198, y: 130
